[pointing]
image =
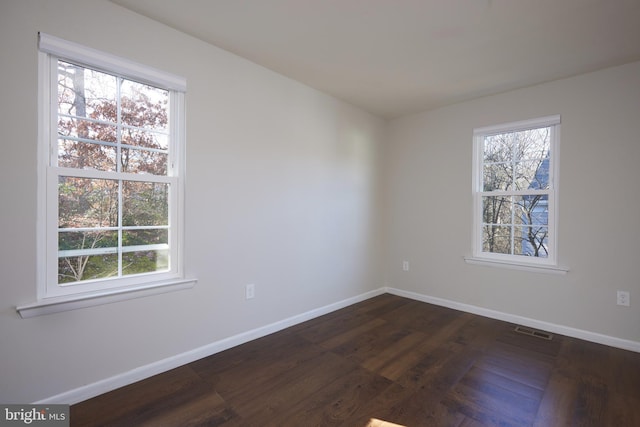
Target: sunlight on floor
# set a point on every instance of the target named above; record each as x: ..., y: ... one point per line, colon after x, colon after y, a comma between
x: 374, y: 422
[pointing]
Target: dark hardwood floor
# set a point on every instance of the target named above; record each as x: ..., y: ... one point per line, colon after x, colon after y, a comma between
x: 383, y: 362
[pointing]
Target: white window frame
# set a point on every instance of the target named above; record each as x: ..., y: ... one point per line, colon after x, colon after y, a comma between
x: 52, y: 297
x: 530, y: 263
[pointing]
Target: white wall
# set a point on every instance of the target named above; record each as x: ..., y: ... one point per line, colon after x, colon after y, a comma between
x: 281, y: 192
x: 429, y: 204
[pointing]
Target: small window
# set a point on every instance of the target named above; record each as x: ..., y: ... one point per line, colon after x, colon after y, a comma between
x: 112, y: 139
x: 515, y: 184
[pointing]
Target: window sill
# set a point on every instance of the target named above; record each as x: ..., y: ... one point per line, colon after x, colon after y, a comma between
x: 73, y: 302
x: 537, y: 268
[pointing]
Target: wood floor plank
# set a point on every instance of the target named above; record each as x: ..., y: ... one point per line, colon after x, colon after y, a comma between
x: 478, y: 333
x: 386, y: 356
x: 622, y: 410
x: 557, y: 406
x: 413, y: 316
x: 341, y: 338
x: 441, y: 370
x: 261, y: 404
x: 519, y: 366
x: 486, y: 397
x: 383, y: 304
x: 625, y: 375
x: 592, y: 400
x: 338, y: 330
x: 209, y: 409
x: 142, y: 399
x: 381, y: 407
x: 387, y: 361
x: 253, y: 352
x: 335, y: 403
x: 370, y: 343
x: 525, y: 343
x: 423, y: 408
x: 250, y: 384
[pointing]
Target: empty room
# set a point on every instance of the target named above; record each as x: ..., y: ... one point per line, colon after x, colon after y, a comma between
x: 311, y: 213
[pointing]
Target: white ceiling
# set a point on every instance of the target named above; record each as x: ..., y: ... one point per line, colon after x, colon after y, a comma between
x: 396, y: 57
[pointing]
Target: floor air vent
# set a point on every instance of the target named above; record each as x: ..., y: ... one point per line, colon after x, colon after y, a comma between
x: 534, y: 333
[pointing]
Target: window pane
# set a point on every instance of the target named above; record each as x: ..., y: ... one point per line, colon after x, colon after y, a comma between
x: 532, y: 210
x: 143, y: 161
x: 85, y: 202
x: 83, y: 155
x: 532, y: 175
x: 144, y: 261
x: 75, y: 269
x: 535, y: 241
x: 496, y: 210
x: 148, y: 139
x: 145, y: 203
x: 497, y: 176
x: 520, y: 157
x: 84, y: 92
x: 86, y: 129
x: 73, y: 240
x: 532, y: 144
x: 496, y: 239
x: 498, y: 148
x: 145, y: 237
x: 144, y: 106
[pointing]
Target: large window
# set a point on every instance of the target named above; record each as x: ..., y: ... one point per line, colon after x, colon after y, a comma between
x: 515, y: 191
x: 112, y: 138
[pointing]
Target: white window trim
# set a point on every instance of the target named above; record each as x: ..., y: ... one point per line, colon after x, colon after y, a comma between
x: 545, y: 265
x: 50, y: 49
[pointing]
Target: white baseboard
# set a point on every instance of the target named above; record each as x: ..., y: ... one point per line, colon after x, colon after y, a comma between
x: 108, y: 384
x: 524, y: 321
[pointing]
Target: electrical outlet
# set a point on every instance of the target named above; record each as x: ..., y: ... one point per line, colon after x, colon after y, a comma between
x: 623, y: 298
x: 405, y: 265
x: 250, y: 291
